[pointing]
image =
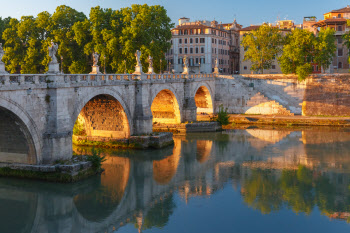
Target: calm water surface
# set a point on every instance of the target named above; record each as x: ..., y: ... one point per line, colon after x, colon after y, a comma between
x: 253, y: 180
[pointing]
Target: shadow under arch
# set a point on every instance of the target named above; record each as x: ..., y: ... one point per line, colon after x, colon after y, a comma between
x: 165, y: 108
x: 18, y: 143
x: 113, y: 185
x: 165, y: 169
x: 106, y: 92
x: 204, y: 100
x: 103, y: 116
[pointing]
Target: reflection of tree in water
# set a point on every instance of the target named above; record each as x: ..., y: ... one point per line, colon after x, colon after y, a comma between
x: 261, y: 191
x: 158, y: 215
x: 301, y: 190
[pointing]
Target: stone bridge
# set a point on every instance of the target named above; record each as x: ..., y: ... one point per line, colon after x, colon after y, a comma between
x: 38, y: 112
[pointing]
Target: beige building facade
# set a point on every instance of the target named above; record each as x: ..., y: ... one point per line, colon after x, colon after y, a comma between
x: 202, y: 42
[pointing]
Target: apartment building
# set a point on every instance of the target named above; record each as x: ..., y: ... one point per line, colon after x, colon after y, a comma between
x: 337, y: 19
x: 203, y: 42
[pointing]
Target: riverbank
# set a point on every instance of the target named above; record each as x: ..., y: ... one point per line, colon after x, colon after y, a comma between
x: 69, y: 171
x: 283, y: 120
x: 155, y: 140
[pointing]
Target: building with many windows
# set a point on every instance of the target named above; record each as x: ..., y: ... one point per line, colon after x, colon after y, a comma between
x: 203, y: 42
x: 337, y: 19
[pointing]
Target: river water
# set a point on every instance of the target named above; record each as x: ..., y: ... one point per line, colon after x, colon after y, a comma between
x: 240, y: 180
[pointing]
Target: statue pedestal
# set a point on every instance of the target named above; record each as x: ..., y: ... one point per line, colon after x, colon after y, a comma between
x: 185, y: 70
x: 150, y: 70
x: 95, y: 70
x: 54, y: 68
x: 138, y: 70
x: 2, y: 68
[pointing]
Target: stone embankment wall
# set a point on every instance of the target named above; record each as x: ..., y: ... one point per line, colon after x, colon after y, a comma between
x: 318, y: 95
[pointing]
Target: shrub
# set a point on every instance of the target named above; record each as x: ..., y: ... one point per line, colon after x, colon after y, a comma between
x: 223, y: 116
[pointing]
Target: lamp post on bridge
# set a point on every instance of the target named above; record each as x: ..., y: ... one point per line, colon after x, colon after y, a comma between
x: 160, y: 66
x: 62, y: 64
x: 104, y: 57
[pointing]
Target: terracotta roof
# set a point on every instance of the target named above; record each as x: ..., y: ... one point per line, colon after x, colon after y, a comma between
x: 251, y: 28
x: 330, y: 21
x: 196, y: 26
x: 342, y: 10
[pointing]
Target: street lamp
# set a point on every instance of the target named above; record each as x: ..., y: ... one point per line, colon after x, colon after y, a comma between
x: 62, y: 64
x: 104, y: 57
x: 160, y: 66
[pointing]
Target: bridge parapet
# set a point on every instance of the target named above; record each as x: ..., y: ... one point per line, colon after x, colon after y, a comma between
x: 31, y: 81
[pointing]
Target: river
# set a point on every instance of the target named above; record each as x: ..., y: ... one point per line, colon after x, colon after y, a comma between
x: 239, y: 180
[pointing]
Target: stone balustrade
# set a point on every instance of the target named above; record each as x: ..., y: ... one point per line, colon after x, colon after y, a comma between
x: 24, y: 81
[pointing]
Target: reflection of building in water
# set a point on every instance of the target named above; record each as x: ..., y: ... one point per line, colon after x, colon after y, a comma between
x: 203, y: 150
x: 165, y: 169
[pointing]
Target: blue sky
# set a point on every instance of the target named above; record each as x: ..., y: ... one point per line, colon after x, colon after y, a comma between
x: 246, y: 12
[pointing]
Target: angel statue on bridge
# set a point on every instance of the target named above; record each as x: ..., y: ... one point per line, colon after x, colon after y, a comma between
x: 185, y: 61
x: 52, y: 52
x: 138, y: 55
x: 150, y: 61
x: 2, y: 52
x: 95, y: 57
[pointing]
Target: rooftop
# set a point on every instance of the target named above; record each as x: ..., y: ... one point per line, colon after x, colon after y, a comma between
x: 342, y: 10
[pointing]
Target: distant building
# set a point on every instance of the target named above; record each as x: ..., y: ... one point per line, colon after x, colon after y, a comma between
x: 337, y: 19
x: 202, y: 42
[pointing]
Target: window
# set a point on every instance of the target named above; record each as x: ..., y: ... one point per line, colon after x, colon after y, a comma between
x: 171, y: 51
x: 215, y: 41
x: 202, y: 40
x: 180, y: 50
x: 202, y: 50
x: 179, y: 61
x: 316, y: 68
x: 191, y: 31
x: 212, y: 40
x: 185, y: 41
x: 273, y: 67
x: 340, y: 52
x: 340, y: 40
x: 186, y: 32
x: 245, y: 68
x: 191, y: 41
x: 197, y: 40
x: 202, y: 60
x: 197, y: 60
x: 340, y: 28
x: 197, y: 51
x: 339, y: 15
x: 185, y: 50
x: 215, y: 50
x: 191, y: 50
x: 180, y: 41
x: 171, y: 41
x: 340, y: 65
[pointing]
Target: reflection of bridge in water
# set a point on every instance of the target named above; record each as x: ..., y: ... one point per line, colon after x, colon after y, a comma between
x: 133, y: 189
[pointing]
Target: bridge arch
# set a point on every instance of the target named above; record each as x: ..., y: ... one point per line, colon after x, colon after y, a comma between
x: 103, y: 114
x: 204, y: 99
x: 165, y: 106
x: 19, y: 138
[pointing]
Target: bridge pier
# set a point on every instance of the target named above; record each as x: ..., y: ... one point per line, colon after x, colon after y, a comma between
x: 189, y: 108
x: 143, y: 115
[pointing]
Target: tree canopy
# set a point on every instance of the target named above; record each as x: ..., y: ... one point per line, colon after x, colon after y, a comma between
x: 115, y: 34
x: 302, y: 49
x: 262, y: 46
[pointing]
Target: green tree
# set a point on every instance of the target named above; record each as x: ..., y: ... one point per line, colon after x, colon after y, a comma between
x: 148, y: 29
x: 4, y: 23
x: 262, y: 46
x: 13, y: 46
x: 298, y: 53
x: 325, y: 48
x: 346, y: 38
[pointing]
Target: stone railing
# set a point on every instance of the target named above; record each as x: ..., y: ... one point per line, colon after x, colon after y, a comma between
x: 19, y: 80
